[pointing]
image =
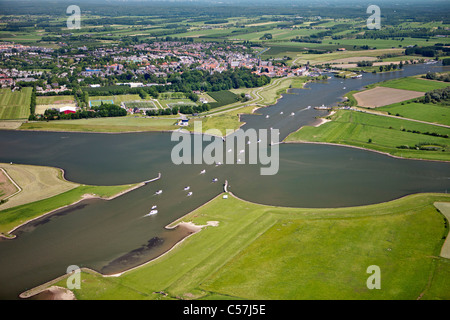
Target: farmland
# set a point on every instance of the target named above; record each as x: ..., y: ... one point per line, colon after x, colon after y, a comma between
x: 15, y: 105
x: 382, y: 96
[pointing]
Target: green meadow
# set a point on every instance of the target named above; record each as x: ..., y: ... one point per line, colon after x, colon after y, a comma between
x: 115, y: 124
x: 264, y: 252
x: 413, y: 83
x: 378, y: 133
x: 15, y: 105
x: 437, y: 113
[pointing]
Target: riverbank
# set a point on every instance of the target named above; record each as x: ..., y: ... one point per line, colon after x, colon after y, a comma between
x: 231, y: 259
x: 388, y: 135
x: 13, y: 218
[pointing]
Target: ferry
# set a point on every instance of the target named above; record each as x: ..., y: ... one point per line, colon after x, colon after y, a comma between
x: 189, y: 194
x: 187, y: 188
x: 158, y: 192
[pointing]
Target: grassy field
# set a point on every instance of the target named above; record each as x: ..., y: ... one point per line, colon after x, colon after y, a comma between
x: 222, y: 98
x: 115, y: 124
x: 36, y: 182
x: 437, y: 113
x: 15, y: 105
x: 412, y: 83
x: 263, y: 252
x: 385, y: 134
x: 44, y: 100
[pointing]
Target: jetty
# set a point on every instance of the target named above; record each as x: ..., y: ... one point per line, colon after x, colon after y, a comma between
x: 151, y: 180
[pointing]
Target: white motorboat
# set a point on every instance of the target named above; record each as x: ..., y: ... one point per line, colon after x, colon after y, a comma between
x: 215, y: 180
x: 151, y: 213
x: 267, y: 117
x: 189, y: 194
x: 158, y: 192
x: 281, y: 112
x: 187, y: 188
x: 154, y: 207
x: 292, y: 114
x: 203, y: 171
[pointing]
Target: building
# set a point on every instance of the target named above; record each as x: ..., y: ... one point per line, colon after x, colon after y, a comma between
x: 68, y: 110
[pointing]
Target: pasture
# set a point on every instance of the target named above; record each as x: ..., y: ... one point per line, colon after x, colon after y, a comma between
x: 437, y: 113
x: 15, y: 105
x: 264, y: 252
x: 379, y: 133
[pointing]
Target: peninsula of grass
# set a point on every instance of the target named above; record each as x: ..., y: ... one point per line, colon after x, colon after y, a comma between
x: 265, y: 252
x: 398, y: 137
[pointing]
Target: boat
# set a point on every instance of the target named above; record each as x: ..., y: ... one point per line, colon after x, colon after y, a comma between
x: 218, y: 164
x: 158, y: 192
x: 214, y: 180
x: 281, y: 112
x: 229, y: 150
x: 267, y: 117
x: 151, y: 213
x: 154, y: 207
x: 242, y: 151
x: 293, y: 114
x: 189, y: 194
x: 248, y: 142
x: 203, y: 171
x: 187, y: 188
x: 259, y: 140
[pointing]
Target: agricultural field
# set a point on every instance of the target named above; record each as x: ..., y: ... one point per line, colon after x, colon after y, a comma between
x: 36, y: 183
x: 437, y: 113
x: 382, y: 96
x: 15, y: 105
x: 414, y: 84
x: 379, y: 133
x: 253, y: 245
x: 222, y: 98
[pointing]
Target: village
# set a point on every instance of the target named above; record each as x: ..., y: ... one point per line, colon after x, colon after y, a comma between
x: 58, y: 70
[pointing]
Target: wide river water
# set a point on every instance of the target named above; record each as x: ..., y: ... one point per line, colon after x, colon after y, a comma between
x: 112, y: 236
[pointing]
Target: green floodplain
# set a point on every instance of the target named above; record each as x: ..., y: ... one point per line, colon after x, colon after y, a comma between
x: 264, y: 252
